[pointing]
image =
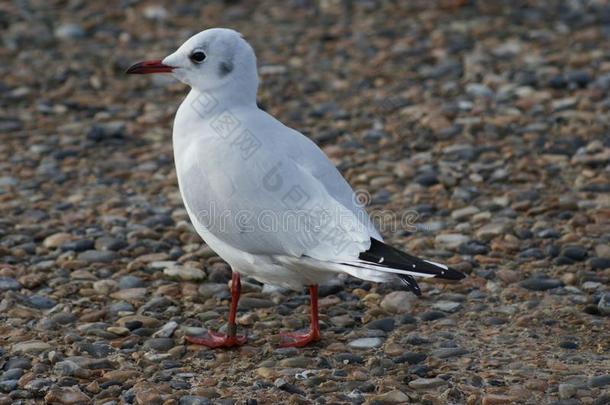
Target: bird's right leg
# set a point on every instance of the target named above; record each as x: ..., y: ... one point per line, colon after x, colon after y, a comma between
x: 231, y: 338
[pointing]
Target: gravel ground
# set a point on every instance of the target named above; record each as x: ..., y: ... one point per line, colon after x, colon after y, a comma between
x: 487, y: 119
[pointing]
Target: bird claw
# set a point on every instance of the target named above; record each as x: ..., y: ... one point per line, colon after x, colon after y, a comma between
x: 298, y: 339
x: 215, y: 340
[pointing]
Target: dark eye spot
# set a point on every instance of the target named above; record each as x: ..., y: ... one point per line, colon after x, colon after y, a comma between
x: 197, y: 57
x: 225, y: 68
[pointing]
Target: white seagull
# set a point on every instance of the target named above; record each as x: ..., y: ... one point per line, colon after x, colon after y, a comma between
x: 263, y: 196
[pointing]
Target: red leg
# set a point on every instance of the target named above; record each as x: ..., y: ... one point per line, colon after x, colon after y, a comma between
x: 230, y: 339
x: 298, y: 339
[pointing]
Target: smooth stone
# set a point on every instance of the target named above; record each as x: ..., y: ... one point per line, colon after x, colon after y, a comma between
x: 105, y: 286
x: 599, y: 380
x: 385, y: 324
x: 129, y: 294
x: 427, y: 383
x: 366, y: 343
x: 398, y: 302
x: 540, y: 284
x: 491, y: 230
x: 79, y: 245
x: 567, y: 391
x: 447, y: 306
x: 32, y: 346
x: 160, y: 344
x: 121, y: 306
x: 56, y: 240
x: 427, y: 179
x: 66, y: 396
x: 599, y: 263
x: 194, y: 400
x: 126, y: 282
x: 166, y: 330
x: 8, y: 385
x: 463, y: 213
x: 109, y: 243
x: 21, y: 363
x: 69, y: 31
x: 63, y: 318
x: 532, y: 253
x: 448, y: 352
x: 349, y: 358
x: 40, y: 302
x: 70, y: 369
x: 604, y: 304
x: 185, y: 273
x: 11, y: 374
x: 575, y: 252
x: 432, y: 315
x: 294, y: 362
x: 411, y: 358
x: 9, y: 284
x: 208, y: 290
x: 106, y: 130
x: 479, y: 90
x: 451, y: 240
x: 253, y: 303
x: 392, y: 397
x: 97, y: 256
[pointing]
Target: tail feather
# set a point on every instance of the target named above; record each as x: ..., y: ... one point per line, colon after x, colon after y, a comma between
x: 386, y: 259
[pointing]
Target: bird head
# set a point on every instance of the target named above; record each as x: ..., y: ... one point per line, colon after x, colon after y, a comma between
x: 212, y: 59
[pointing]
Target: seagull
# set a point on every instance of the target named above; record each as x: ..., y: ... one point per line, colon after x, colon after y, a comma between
x: 262, y: 195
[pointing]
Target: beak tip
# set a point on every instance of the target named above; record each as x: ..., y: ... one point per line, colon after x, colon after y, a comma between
x: 146, y: 67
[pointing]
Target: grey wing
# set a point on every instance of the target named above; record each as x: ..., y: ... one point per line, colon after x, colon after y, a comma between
x: 310, y: 156
x: 269, y: 205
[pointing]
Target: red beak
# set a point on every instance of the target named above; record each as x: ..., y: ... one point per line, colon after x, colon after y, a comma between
x: 149, y: 66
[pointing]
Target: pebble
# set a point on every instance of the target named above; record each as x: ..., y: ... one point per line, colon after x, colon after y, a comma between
x: 184, y: 273
x: 32, y: 346
x: 365, y: 343
x: 397, y: 302
x: 67, y: 396
x: 411, y: 358
x: 604, y: 304
x: 8, y: 284
x: 161, y: 344
x: 599, y: 263
x: 56, y: 240
x: 69, y: 31
x: 449, y: 352
x: 540, y: 284
x: 599, y: 380
x: 574, y: 252
x: 127, y: 282
x: 447, y: 306
x: 392, y: 397
x: 97, y: 256
x: 166, y: 330
x: 451, y: 240
x: 497, y: 399
x: 566, y: 391
x: 194, y: 400
x: 427, y: 383
x: 40, y: 302
x: 385, y: 324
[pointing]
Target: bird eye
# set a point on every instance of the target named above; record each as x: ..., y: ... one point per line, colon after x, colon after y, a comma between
x: 197, y: 57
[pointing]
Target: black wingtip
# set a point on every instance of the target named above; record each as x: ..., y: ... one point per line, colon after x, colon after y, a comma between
x: 410, y: 283
x: 452, y: 274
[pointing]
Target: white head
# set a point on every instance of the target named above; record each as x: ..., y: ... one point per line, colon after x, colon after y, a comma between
x: 217, y: 60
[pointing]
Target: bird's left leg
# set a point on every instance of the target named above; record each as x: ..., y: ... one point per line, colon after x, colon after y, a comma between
x: 231, y: 338
x: 297, y: 339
